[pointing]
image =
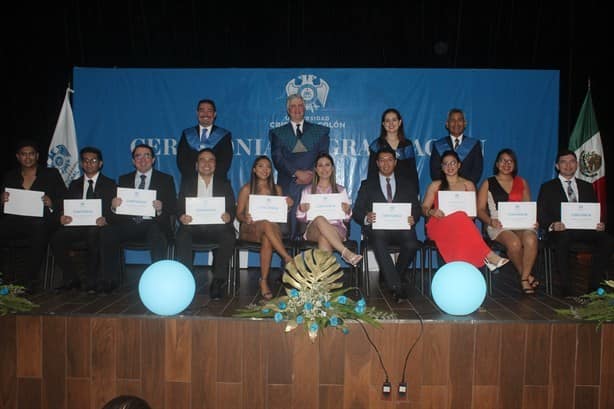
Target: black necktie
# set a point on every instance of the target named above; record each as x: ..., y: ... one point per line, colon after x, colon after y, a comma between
x: 388, y: 191
x: 456, y: 143
x: 299, y: 133
x: 139, y: 219
x: 571, y: 195
x: 90, y: 190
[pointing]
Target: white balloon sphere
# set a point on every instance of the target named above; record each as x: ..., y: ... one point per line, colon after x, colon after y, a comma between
x: 167, y: 287
x: 458, y: 288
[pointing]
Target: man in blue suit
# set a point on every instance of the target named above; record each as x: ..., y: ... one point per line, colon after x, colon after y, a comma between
x: 204, y: 135
x: 468, y: 149
x: 294, y: 148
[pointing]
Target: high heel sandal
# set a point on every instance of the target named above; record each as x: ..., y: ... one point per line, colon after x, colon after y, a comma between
x: 267, y: 295
x: 494, y: 266
x: 354, y: 259
x: 525, y: 290
x: 533, y: 283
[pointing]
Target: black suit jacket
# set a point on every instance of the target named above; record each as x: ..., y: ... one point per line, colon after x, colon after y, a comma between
x: 551, y: 195
x: 221, y: 187
x: 105, y: 189
x: 164, y: 185
x: 371, y: 192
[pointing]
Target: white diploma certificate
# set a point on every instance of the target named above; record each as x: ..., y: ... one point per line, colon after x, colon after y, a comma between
x: 391, y: 216
x: 517, y: 215
x: 205, y: 210
x: 452, y: 201
x: 271, y: 208
x: 136, y: 202
x: 84, y: 212
x: 327, y: 205
x: 581, y: 216
x: 24, y: 202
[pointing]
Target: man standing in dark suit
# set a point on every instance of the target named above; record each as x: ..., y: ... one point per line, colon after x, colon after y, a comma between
x: 207, y: 184
x: 386, y: 187
x: 468, y: 149
x: 154, y: 230
x: 92, y: 185
x: 29, y: 175
x: 204, y: 135
x: 566, y: 188
x: 294, y: 148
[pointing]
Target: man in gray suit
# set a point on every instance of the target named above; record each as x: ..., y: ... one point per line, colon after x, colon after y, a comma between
x: 294, y: 147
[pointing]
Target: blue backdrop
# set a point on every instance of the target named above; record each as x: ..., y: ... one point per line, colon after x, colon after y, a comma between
x: 118, y: 108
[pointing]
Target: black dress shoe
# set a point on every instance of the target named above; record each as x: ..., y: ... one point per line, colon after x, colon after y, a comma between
x: 399, y: 294
x: 216, y: 289
x: 68, y: 285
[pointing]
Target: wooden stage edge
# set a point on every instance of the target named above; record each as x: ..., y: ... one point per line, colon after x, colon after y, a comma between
x: 81, y: 362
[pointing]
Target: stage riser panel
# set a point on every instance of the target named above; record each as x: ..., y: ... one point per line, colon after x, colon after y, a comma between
x: 61, y: 362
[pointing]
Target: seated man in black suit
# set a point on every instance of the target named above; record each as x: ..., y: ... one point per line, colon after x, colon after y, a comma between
x: 388, y: 187
x: 36, y: 230
x: 154, y: 230
x: 92, y: 185
x: 207, y: 184
x: 566, y: 188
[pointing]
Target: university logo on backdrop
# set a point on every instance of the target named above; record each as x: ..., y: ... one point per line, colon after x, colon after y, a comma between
x: 314, y: 90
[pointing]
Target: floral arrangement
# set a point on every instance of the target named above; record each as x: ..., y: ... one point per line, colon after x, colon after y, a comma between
x: 316, y: 299
x: 596, y: 306
x: 11, y: 300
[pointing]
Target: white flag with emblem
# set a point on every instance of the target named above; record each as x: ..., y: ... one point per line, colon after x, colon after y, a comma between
x: 63, y: 150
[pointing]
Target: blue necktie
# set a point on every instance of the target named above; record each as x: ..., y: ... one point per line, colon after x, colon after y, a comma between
x: 203, y: 136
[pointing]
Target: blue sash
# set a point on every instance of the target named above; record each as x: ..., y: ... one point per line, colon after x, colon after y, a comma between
x: 193, y: 138
x: 463, y: 150
x: 402, y: 152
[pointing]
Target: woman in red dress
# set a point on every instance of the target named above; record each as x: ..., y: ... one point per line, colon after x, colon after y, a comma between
x: 456, y: 235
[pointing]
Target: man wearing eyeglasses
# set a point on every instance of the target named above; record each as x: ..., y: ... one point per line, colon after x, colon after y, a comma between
x: 92, y: 185
x: 155, y: 231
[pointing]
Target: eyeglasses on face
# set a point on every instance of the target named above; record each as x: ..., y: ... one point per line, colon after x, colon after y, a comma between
x: 142, y: 156
x: 93, y: 160
x: 506, y: 161
x: 450, y: 163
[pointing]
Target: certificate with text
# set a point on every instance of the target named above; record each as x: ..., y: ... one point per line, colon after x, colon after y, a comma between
x: 24, y: 202
x: 84, y: 212
x: 452, y: 201
x: 580, y: 216
x: 391, y: 216
x: 136, y: 202
x: 271, y: 208
x: 205, y: 210
x: 326, y: 205
x: 517, y: 215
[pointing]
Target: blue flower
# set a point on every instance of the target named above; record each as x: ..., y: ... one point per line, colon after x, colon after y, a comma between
x: 308, y: 306
x: 334, y: 321
x: 294, y: 293
x: 600, y: 291
x: 266, y: 310
x: 359, y: 309
x: 361, y: 303
x: 300, y: 319
x: 327, y: 304
x: 314, y: 327
x: 345, y: 330
x: 282, y: 305
x: 278, y: 317
x: 342, y: 299
x: 4, y: 291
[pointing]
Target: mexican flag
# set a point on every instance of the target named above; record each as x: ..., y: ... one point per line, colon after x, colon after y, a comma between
x: 585, y: 141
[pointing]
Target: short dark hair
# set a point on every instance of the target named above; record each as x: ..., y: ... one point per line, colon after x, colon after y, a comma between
x: 206, y: 101
x: 26, y: 142
x: 144, y: 145
x: 565, y: 152
x: 126, y: 402
x: 506, y: 151
x: 91, y: 149
x: 386, y: 149
x: 203, y: 151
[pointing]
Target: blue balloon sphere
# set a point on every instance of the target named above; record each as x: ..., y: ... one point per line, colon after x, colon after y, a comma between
x: 167, y: 287
x: 458, y: 288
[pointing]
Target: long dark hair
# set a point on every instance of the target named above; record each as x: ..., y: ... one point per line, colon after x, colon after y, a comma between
x: 444, y: 181
x: 400, y: 133
x: 508, y: 151
x: 253, y: 181
x: 316, y: 178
